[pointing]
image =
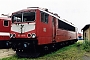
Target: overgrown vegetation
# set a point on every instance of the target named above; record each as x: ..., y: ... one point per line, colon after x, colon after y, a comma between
x: 85, y: 45
x: 71, y: 52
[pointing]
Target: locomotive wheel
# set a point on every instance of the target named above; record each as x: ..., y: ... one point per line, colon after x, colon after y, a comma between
x: 28, y: 54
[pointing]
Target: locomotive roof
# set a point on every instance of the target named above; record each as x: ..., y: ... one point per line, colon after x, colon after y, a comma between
x: 43, y: 9
x: 5, y: 18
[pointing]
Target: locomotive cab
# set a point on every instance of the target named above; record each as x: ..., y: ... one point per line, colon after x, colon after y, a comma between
x: 23, y: 25
x: 23, y: 30
x: 5, y: 25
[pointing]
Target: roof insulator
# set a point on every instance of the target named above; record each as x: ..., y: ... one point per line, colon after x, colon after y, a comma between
x: 32, y: 7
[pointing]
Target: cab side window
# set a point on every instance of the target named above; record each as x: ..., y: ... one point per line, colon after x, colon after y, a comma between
x: 6, y: 23
x: 44, y: 17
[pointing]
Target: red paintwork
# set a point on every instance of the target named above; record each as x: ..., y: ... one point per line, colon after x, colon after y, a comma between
x: 4, y: 29
x: 4, y: 38
x: 46, y: 33
x: 47, y: 37
x: 79, y: 34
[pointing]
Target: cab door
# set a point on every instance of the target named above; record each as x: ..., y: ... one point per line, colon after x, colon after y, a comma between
x: 45, y: 28
x: 53, y: 29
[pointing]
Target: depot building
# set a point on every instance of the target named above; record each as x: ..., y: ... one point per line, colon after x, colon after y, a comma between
x: 86, y: 32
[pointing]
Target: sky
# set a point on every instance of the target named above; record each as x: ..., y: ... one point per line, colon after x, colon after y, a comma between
x: 75, y: 11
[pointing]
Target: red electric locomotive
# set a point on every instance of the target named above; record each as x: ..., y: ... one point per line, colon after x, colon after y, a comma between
x: 34, y: 29
x: 5, y: 25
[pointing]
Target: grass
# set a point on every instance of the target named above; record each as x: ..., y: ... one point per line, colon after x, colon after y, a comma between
x: 71, y: 52
x: 67, y: 53
x: 86, y: 45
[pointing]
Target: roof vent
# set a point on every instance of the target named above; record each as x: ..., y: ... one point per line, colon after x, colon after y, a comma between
x: 46, y: 9
x: 56, y: 15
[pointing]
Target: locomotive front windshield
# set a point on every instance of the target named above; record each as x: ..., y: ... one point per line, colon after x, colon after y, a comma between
x: 23, y: 17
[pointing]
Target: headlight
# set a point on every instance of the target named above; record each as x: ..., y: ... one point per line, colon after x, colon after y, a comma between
x: 11, y: 35
x: 14, y: 35
x: 29, y: 35
x: 33, y: 35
